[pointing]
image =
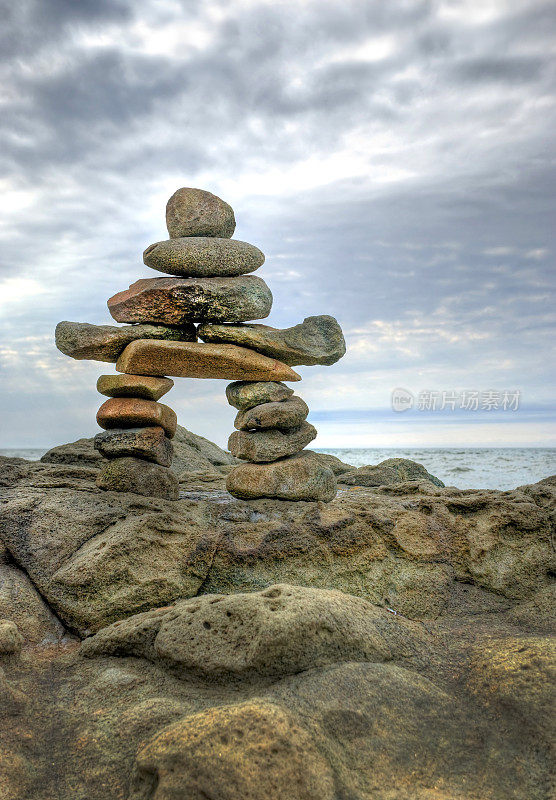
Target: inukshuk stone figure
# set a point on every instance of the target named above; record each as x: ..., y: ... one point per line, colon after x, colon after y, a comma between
x: 208, y: 284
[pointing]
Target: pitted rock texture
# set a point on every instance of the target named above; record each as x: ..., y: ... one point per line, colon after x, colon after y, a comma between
x: 203, y: 257
x: 82, y: 340
x: 284, y: 415
x: 98, y: 557
x: 462, y: 712
x: 177, y: 301
x: 254, y: 750
x: 246, y: 394
x: 196, y: 212
x: 316, y: 340
x: 278, y: 631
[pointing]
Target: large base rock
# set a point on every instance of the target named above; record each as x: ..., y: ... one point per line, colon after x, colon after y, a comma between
x: 300, y: 477
x: 140, y: 477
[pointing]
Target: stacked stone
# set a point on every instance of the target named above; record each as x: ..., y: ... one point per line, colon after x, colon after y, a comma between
x: 209, y: 286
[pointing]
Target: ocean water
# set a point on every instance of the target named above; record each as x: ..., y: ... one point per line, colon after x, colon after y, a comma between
x: 464, y: 467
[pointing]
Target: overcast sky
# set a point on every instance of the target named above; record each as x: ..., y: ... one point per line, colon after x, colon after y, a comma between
x: 394, y: 161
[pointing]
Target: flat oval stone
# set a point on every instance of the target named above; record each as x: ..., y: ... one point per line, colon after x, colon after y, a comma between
x: 270, y: 445
x: 151, y: 444
x: 81, y: 340
x: 128, y: 412
x: 316, y: 340
x: 203, y: 257
x: 175, y: 301
x: 246, y: 394
x: 195, y: 212
x: 197, y: 360
x: 144, y: 386
x: 140, y: 477
x: 299, y: 477
x: 283, y: 415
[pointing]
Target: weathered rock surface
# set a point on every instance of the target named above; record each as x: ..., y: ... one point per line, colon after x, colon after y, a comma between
x: 387, y: 473
x: 197, y: 360
x: 283, y: 415
x: 279, y: 631
x: 177, y: 301
x: 270, y: 444
x: 138, y: 476
x: 316, y: 340
x: 299, y: 477
x: 247, y: 394
x: 192, y: 453
x: 145, y: 386
x: 151, y: 444
x: 122, y: 412
x: 203, y: 257
x: 81, y: 340
x: 254, y: 750
x: 11, y: 640
x: 337, y: 466
x: 195, y: 212
x: 460, y: 710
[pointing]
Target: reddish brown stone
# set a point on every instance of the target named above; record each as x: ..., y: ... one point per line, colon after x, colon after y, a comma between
x: 131, y: 412
x: 177, y: 301
x: 196, y: 360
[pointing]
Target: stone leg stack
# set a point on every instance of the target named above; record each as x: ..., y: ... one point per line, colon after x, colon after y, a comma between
x: 206, y: 282
x: 271, y: 433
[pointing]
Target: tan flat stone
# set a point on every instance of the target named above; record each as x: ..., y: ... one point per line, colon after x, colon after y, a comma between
x: 197, y: 360
x: 145, y: 386
x: 130, y: 412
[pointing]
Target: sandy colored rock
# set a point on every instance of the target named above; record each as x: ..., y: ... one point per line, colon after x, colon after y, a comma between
x: 138, y: 476
x: 81, y: 452
x: 388, y: 473
x: 11, y: 640
x: 143, y: 386
x: 198, y: 360
x: 278, y: 631
x: 251, y: 751
x: 270, y: 444
x: 247, y: 394
x: 203, y: 257
x: 80, y: 340
x: 337, y: 466
x: 22, y: 604
x: 316, y: 340
x: 196, y: 212
x: 130, y: 412
x: 177, y: 301
x: 12, y: 702
x: 299, y: 477
x: 151, y: 444
x: 283, y: 415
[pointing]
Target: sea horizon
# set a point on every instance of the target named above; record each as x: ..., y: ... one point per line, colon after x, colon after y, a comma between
x: 503, y: 468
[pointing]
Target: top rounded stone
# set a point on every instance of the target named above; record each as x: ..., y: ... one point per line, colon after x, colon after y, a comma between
x: 194, y: 212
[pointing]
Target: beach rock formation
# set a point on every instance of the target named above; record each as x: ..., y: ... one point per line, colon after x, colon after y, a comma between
x: 396, y: 642
x: 210, y: 286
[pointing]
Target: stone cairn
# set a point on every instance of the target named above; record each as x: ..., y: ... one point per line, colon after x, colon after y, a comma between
x: 208, y: 284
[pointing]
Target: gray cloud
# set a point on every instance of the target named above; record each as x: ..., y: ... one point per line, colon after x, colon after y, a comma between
x: 391, y: 159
